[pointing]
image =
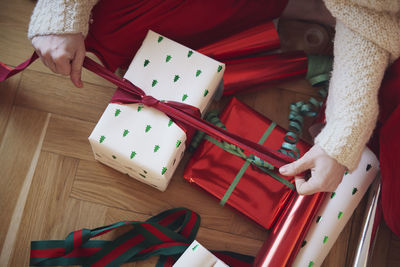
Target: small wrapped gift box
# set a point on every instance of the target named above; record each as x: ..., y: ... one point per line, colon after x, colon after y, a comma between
x: 198, y: 256
x: 257, y: 194
x: 139, y: 140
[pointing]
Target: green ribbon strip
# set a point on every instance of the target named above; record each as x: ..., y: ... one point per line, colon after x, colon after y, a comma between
x: 259, y: 163
x: 256, y: 161
x: 318, y: 74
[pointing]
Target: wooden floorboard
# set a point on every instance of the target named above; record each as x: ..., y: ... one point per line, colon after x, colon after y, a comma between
x: 17, y: 163
x: 8, y: 90
x: 50, y: 184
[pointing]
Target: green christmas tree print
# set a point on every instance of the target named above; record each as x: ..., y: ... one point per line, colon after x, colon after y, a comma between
x: 125, y: 133
x: 354, y: 190
x: 190, y: 53
x: 170, y: 123
x: 156, y: 148
x: 154, y: 83
x: 318, y: 219
x: 340, y: 214
x: 160, y: 38
x: 178, y: 143
x: 219, y: 68
x: 168, y: 58
x: 102, y: 138
x: 205, y: 93
x: 184, y: 97
x: 368, y: 167
x: 139, y: 108
x: 114, y: 157
x: 325, y: 239
x: 304, y: 243
x: 145, y: 172
x: 176, y: 78
x: 333, y: 194
x: 346, y: 172
x: 117, y: 112
x: 198, y: 72
x: 310, y: 264
x: 164, y: 169
x: 133, y: 154
x: 148, y: 127
x: 146, y: 62
x: 144, y: 176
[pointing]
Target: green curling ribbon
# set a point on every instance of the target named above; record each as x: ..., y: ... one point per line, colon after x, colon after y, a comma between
x: 319, y: 68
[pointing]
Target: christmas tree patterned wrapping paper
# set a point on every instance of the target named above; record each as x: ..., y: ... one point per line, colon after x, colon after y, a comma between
x: 198, y: 256
x: 335, y: 212
x: 141, y: 141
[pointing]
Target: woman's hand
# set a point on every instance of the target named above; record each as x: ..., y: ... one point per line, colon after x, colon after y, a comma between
x: 326, y: 172
x: 63, y: 54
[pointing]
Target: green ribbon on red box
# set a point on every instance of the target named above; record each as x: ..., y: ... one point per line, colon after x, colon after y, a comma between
x: 262, y: 165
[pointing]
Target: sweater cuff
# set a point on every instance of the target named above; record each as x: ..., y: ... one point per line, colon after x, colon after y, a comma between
x: 60, y: 17
x: 352, y: 104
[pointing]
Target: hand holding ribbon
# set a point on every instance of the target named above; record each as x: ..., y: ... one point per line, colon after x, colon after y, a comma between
x: 181, y: 113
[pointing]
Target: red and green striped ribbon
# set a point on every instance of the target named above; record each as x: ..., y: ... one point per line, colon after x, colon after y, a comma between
x: 167, y: 234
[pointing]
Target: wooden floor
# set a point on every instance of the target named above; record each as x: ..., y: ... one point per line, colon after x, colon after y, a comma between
x: 51, y: 185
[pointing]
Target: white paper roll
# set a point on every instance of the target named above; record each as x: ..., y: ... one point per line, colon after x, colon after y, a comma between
x: 336, y: 211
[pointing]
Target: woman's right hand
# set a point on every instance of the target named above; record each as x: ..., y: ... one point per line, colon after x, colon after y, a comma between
x: 63, y: 54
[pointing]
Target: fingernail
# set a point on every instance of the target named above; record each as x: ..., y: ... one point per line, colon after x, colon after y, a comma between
x: 283, y: 169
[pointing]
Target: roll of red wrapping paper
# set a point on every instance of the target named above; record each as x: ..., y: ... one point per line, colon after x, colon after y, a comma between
x: 247, y: 74
x: 257, y: 39
x: 285, y: 239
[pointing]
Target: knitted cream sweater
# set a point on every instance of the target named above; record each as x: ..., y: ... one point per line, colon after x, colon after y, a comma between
x: 60, y: 16
x: 367, y: 40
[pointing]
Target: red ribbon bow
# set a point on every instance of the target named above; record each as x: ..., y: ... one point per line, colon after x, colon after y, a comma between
x: 184, y: 115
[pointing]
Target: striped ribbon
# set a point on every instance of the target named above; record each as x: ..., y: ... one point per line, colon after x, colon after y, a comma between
x: 167, y: 234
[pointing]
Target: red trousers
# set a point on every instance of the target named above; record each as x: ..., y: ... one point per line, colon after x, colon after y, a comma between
x: 119, y: 27
x: 389, y: 146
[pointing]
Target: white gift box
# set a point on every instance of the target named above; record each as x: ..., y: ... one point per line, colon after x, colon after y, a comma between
x: 141, y: 141
x: 335, y: 212
x: 198, y: 256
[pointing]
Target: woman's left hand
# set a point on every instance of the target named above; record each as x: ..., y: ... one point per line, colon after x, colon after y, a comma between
x: 326, y: 172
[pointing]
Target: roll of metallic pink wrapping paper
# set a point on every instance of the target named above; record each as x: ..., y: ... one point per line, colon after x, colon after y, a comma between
x: 285, y: 238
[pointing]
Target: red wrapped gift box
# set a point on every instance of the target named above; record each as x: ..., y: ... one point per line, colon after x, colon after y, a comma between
x: 257, y: 195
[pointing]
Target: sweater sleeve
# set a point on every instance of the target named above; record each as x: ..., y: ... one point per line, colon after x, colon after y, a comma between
x: 352, y: 104
x: 60, y: 17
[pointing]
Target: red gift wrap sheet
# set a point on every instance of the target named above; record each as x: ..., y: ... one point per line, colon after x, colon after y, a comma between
x: 257, y: 195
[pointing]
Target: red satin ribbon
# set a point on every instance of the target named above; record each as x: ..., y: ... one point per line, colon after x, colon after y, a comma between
x: 179, y: 112
x: 6, y: 72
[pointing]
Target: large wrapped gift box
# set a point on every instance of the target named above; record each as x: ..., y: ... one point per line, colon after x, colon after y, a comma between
x: 141, y: 141
x: 257, y: 195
